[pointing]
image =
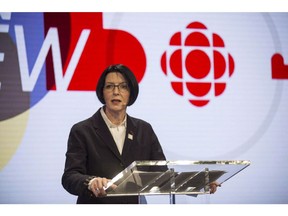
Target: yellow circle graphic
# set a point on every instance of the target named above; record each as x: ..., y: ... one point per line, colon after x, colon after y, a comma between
x: 11, y: 134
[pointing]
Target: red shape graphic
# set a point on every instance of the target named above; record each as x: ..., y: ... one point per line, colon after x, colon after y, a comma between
x: 176, y: 39
x: 217, y: 41
x: 197, y: 64
x: 52, y: 20
x: 197, y: 39
x: 279, y: 69
x: 103, y: 47
x: 178, y: 87
x: 164, y: 63
x: 196, y: 25
x: 219, y: 88
x: 176, y: 63
x: 199, y: 103
x: 198, y: 89
x: 219, y: 64
x: 231, y: 65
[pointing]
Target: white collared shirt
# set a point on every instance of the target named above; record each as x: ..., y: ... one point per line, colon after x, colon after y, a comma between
x: 118, y: 131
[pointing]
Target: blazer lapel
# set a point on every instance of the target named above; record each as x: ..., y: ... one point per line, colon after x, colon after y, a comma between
x: 103, y: 132
x: 130, y: 138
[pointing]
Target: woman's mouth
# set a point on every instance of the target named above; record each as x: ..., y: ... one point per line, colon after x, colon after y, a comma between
x: 116, y: 101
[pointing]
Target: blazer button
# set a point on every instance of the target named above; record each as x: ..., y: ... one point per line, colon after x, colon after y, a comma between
x: 121, y: 165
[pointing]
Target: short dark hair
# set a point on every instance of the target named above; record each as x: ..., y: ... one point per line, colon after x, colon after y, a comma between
x: 128, y: 75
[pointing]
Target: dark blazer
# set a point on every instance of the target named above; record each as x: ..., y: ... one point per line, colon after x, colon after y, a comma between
x: 92, y: 151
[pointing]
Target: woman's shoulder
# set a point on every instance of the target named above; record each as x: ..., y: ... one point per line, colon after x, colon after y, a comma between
x: 88, y: 122
x: 138, y: 121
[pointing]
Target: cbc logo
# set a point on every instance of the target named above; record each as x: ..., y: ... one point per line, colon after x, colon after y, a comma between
x: 197, y: 64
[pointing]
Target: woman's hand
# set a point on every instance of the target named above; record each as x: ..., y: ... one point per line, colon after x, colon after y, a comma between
x: 98, y: 186
x: 213, y: 187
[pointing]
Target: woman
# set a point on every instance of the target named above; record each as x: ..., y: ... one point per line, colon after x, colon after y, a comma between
x: 103, y: 145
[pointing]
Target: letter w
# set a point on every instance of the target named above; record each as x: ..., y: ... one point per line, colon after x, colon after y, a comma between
x: 52, y: 40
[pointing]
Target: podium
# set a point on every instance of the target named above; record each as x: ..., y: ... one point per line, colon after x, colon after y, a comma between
x: 144, y: 178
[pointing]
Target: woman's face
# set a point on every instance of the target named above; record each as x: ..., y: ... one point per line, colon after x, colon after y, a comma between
x: 116, y: 92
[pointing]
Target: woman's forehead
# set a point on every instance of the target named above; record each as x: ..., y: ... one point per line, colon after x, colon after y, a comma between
x: 115, y: 76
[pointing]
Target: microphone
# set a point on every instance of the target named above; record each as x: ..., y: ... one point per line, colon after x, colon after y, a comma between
x: 125, y: 103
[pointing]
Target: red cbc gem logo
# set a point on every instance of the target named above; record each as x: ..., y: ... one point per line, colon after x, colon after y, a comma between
x: 197, y: 64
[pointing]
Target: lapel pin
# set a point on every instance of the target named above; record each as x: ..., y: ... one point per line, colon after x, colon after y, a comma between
x: 130, y: 136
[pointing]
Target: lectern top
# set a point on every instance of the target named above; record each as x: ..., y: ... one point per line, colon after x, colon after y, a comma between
x: 173, y: 177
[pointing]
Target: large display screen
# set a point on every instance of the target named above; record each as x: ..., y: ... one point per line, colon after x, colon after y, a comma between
x: 214, y: 86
